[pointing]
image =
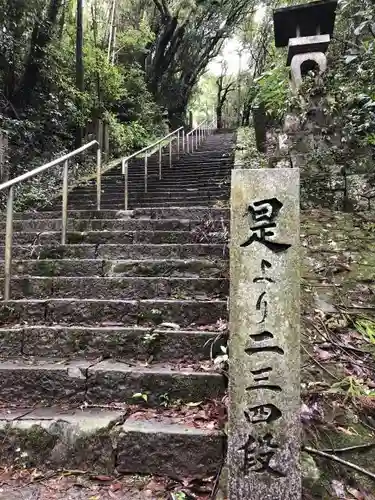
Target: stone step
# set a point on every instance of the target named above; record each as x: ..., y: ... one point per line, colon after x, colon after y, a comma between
x: 140, y: 213
x: 73, y: 214
x: 48, y: 382
x: 115, y: 342
x: 198, y: 268
x: 93, y: 312
x: 40, y: 225
x: 187, y: 204
x: 197, y: 183
x: 157, y: 197
x: 123, y: 252
x: 172, y: 443
x: 140, y: 203
x: 130, y: 288
x: 117, y: 194
x: 186, y: 174
x: 169, y: 182
x: 143, y: 200
x: 192, y: 268
x: 201, y: 158
x: 134, y: 201
x: 112, y: 237
x: 193, y: 213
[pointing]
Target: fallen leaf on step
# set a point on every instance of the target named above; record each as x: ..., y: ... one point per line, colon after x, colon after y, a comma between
x: 323, y: 355
x: 102, y: 478
x: 116, y: 486
x: 174, y: 326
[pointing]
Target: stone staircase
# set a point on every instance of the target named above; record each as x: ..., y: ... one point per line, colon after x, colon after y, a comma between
x: 107, y: 343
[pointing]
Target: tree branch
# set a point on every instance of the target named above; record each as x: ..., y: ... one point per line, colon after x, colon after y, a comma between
x: 339, y: 460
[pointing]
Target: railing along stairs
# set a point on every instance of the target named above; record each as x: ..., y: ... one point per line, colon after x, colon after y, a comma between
x: 185, y: 142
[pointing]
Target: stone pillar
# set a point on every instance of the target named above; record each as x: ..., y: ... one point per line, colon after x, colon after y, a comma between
x: 264, y: 349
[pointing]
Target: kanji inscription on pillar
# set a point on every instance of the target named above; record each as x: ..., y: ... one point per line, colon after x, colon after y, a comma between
x: 264, y: 349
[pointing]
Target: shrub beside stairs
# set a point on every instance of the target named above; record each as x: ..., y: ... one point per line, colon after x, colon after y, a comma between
x: 107, y: 342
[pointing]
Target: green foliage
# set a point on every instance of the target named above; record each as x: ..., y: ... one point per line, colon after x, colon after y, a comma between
x: 40, y: 120
x: 141, y: 395
x: 352, y: 387
x: 367, y: 329
x: 273, y: 90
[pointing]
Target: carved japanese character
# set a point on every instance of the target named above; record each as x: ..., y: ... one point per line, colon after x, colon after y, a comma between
x: 258, y: 453
x: 263, y: 335
x: 264, y: 265
x: 262, y: 304
x: 268, y: 348
x: 263, y: 413
x: 260, y: 376
x: 264, y: 213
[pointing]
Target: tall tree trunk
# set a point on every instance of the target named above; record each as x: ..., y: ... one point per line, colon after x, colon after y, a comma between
x: 40, y: 38
x: 219, y: 115
x: 79, y: 66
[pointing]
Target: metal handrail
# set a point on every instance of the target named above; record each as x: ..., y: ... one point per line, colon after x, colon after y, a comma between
x: 200, y: 131
x: 154, y: 144
x: 28, y: 175
x: 178, y: 134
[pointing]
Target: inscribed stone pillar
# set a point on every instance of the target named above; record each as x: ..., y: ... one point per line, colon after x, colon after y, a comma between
x: 264, y: 350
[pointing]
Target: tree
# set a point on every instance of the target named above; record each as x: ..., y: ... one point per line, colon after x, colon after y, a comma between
x: 225, y: 85
x: 188, y: 35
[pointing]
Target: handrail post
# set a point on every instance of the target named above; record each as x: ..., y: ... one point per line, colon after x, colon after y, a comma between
x: 170, y: 154
x: 196, y: 139
x: 146, y: 171
x: 183, y: 140
x: 126, y: 192
x: 8, y: 244
x: 178, y: 145
x: 64, y: 203
x: 98, y: 177
x: 160, y: 161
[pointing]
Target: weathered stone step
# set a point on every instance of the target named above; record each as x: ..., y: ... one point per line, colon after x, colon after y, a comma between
x: 40, y: 225
x: 102, y: 443
x: 187, y: 196
x: 176, y: 213
x: 130, y: 288
x: 74, y: 214
x: 169, y: 182
x: 169, y: 176
x: 93, y: 312
x: 112, y: 251
x: 177, y: 201
x: 173, y: 204
x: 200, y: 213
x: 192, y: 268
x: 115, y: 183
x: 202, y: 158
x: 171, y: 267
x: 142, y: 201
x: 120, y: 237
x: 110, y: 342
x: 116, y: 194
x: 185, y: 170
x: 50, y: 381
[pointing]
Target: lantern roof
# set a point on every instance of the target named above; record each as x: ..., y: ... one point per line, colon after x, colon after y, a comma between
x: 309, y: 19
